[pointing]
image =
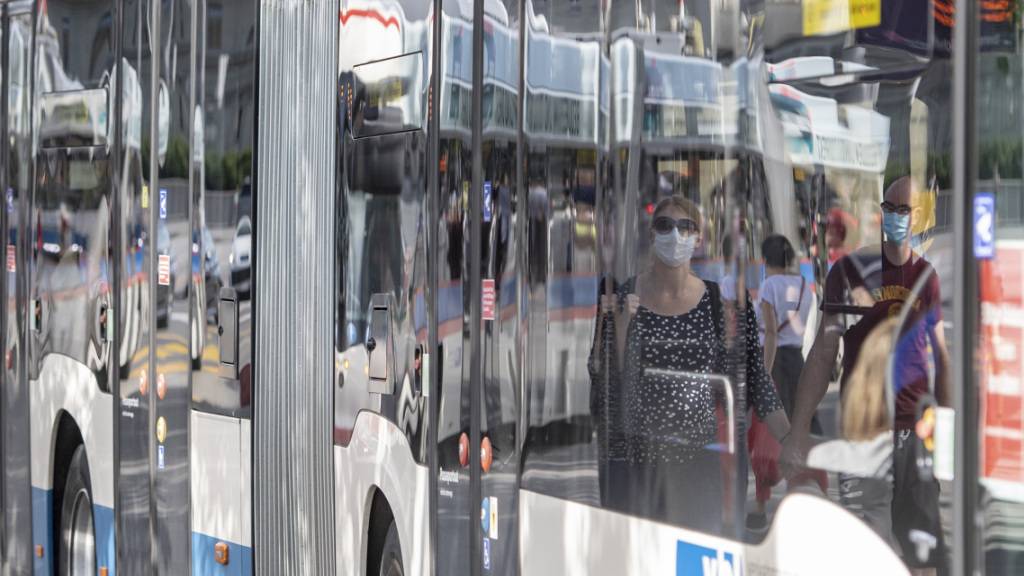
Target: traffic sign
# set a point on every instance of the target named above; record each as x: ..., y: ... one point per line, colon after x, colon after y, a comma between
x: 164, y: 270
x: 984, y: 225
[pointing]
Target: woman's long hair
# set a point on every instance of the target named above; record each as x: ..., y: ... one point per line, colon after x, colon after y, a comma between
x: 865, y: 409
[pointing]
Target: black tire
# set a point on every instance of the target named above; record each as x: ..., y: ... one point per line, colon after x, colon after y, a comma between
x: 391, y: 556
x: 77, y: 530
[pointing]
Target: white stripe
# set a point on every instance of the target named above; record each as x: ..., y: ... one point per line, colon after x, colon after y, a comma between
x: 1003, y: 432
x: 219, y: 485
x: 67, y: 385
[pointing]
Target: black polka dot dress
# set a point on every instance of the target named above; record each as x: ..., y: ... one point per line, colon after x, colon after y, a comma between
x: 673, y: 372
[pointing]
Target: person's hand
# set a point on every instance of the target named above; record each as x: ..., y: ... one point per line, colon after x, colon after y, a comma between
x: 793, y: 457
x: 608, y: 303
x: 861, y: 297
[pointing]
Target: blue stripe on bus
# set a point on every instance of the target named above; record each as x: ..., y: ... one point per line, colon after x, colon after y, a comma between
x: 572, y: 291
x: 203, y: 562
x: 106, y: 553
x: 42, y: 533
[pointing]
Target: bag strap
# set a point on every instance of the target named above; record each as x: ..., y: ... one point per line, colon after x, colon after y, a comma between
x: 799, y: 302
x: 716, y: 307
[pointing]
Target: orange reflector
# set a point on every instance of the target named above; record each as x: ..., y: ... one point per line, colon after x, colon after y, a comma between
x: 161, y: 386
x: 464, y: 450
x: 103, y: 571
x: 161, y: 429
x: 486, y: 454
x: 220, y: 553
x: 39, y: 550
x: 143, y: 383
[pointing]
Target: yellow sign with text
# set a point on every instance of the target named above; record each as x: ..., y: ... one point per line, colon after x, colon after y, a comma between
x: 831, y: 16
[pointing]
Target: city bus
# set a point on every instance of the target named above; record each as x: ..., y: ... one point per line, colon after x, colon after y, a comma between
x: 344, y: 288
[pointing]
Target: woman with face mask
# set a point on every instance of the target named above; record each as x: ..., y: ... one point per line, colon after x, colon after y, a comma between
x: 669, y: 339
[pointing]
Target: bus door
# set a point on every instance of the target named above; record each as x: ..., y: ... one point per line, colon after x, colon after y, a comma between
x: 211, y: 182
x: 385, y: 319
x: 15, y: 486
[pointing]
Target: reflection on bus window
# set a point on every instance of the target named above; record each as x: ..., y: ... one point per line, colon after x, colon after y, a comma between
x: 666, y: 329
x: 864, y: 289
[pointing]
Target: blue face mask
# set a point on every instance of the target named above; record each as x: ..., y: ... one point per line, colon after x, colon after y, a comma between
x: 896, y: 227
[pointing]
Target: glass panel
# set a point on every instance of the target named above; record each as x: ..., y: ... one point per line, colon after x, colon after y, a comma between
x: 136, y: 307
x: 388, y: 95
x: 708, y: 162
x: 640, y: 365
x: 380, y: 242
x: 851, y: 265
x: 173, y: 291
x: 16, y: 454
x: 500, y: 253
x: 455, y: 509
x: 220, y: 254
x: 998, y: 224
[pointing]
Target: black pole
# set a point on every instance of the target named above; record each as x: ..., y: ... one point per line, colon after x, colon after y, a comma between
x: 474, y: 269
x: 965, y: 303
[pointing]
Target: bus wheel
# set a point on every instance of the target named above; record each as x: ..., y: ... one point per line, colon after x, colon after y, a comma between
x: 391, y: 556
x: 77, y: 532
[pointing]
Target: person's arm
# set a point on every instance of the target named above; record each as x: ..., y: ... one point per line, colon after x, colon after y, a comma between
x: 943, y: 388
x: 778, y: 424
x: 605, y: 309
x: 811, y: 388
x: 762, y: 394
x: 937, y: 338
x: 622, y: 320
x: 771, y: 334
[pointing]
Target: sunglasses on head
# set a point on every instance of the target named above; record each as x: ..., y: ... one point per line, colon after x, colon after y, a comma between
x: 901, y: 209
x: 664, y: 225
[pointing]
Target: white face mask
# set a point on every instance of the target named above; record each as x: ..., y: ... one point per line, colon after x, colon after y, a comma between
x: 673, y: 248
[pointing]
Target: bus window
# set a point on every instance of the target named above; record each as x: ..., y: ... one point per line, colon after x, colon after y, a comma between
x: 863, y: 258
x: 753, y: 228
x: 634, y: 398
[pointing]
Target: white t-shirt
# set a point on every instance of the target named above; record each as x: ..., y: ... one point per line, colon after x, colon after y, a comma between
x: 782, y: 291
x: 727, y: 287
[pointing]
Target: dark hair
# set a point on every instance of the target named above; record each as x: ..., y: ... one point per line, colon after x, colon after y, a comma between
x: 777, y: 251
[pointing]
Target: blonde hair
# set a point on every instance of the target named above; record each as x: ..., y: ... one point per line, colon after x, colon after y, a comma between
x: 685, y: 205
x: 865, y: 406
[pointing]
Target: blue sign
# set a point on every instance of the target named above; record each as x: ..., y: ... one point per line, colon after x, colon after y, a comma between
x: 694, y: 560
x: 487, y: 553
x: 984, y: 225
x: 163, y: 204
x: 487, y: 201
x: 485, y: 515
x: 10, y: 200
x: 160, y: 456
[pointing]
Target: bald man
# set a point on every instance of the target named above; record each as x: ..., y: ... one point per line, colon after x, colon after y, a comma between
x: 863, y: 289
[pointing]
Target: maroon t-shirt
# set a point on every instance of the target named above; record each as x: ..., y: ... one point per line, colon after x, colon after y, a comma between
x: 863, y: 289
